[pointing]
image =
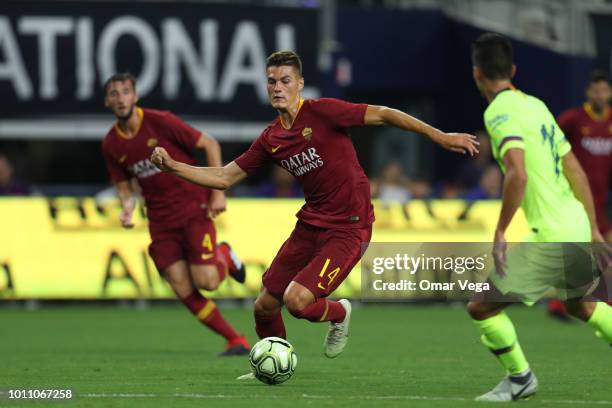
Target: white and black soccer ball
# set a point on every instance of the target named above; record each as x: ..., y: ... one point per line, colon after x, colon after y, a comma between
x: 273, y: 360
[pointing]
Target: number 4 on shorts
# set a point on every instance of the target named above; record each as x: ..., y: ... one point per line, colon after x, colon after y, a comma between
x: 331, y: 275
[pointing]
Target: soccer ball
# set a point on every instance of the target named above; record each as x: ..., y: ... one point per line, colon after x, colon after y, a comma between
x: 273, y: 360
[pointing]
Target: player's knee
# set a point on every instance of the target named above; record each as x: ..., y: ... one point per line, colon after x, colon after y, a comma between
x: 476, y: 311
x: 260, y: 308
x: 295, y: 304
x: 480, y: 310
x: 207, y: 285
x: 295, y: 309
x: 296, y: 298
x: 206, y: 280
x: 264, y: 306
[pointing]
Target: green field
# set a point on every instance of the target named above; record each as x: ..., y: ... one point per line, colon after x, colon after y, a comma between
x: 418, y: 356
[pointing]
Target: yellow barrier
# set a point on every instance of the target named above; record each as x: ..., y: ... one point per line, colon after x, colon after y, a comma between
x: 70, y: 248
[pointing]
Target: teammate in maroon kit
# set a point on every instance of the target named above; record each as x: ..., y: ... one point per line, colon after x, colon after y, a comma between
x: 589, y: 130
x: 310, y: 140
x: 183, y: 235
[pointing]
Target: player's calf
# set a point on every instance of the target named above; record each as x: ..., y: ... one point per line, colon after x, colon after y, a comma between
x: 301, y: 303
x: 268, y: 317
x: 206, y: 311
x: 595, y: 314
x: 580, y: 310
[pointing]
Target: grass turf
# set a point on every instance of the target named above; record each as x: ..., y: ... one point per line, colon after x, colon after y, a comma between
x: 422, y: 356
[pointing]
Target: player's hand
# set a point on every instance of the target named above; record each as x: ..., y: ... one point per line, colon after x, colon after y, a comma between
x: 217, y: 203
x: 499, y: 252
x: 127, y: 210
x: 596, y: 236
x: 162, y: 160
x: 601, y: 251
x: 463, y: 143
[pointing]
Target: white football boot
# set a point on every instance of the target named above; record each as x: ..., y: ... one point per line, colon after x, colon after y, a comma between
x: 337, y: 335
x: 512, y: 388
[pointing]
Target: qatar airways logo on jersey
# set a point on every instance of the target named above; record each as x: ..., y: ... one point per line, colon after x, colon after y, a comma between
x: 303, y: 162
x: 597, y: 146
x: 143, y: 169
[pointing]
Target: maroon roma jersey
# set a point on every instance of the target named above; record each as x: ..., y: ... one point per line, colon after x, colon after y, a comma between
x: 319, y: 152
x: 591, y: 138
x: 169, y: 199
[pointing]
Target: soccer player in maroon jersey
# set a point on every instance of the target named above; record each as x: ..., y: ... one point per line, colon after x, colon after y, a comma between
x: 310, y: 140
x: 589, y: 131
x: 183, y: 235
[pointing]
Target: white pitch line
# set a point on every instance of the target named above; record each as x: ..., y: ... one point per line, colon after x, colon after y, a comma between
x: 576, y: 402
x: 324, y: 397
x: 119, y: 395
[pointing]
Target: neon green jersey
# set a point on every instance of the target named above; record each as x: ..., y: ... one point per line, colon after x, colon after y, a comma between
x: 515, y: 120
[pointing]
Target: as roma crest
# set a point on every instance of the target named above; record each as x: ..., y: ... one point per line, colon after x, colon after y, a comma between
x: 152, y: 142
x: 307, y: 134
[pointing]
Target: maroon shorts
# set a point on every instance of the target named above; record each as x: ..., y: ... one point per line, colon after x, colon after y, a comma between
x: 317, y: 258
x: 195, y: 241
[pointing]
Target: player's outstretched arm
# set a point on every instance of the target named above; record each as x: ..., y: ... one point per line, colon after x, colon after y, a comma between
x: 580, y: 186
x: 456, y: 142
x: 212, y: 150
x: 220, y: 178
x: 515, y: 182
x: 124, y: 191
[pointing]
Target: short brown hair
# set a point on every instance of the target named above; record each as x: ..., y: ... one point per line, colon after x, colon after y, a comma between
x: 288, y: 58
x: 120, y: 77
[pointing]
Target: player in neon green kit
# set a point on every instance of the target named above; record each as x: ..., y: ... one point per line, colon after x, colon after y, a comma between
x: 541, y: 175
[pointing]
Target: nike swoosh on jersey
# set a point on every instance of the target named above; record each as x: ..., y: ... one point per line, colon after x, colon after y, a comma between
x: 274, y: 149
x: 207, y: 256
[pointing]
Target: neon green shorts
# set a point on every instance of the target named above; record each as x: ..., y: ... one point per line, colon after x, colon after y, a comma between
x: 538, y: 269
